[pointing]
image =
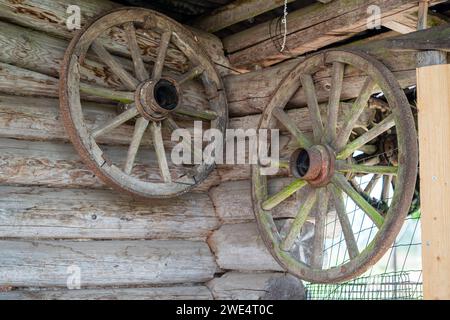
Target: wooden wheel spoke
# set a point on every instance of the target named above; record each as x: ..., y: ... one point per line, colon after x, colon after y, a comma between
x: 341, y: 182
x: 378, y: 129
x: 343, y: 166
x: 110, y: 94
x: 335, y: 98
x: 198, y: 114
x: 355, y: 112
x: 127, y: 79
x: 115, y: 122
x: 302, y: 139
x: 373, y: 181
x: 160, y: 151
x: 159, y: 63
x: 285, y: 193
x: 347, y: 230
x: 139, y: 130
x: 139, y: 67
x: 319, y: 230
x: 387, y: 180
x: 299, y: 221
x: 313, y: 105
x: 191, y: 74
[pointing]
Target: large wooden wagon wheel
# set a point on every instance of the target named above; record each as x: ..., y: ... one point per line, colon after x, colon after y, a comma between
x: 152, y: 97
x: 327, y: 161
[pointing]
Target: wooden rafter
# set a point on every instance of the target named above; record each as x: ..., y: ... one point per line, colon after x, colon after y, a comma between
x: 310, y: 28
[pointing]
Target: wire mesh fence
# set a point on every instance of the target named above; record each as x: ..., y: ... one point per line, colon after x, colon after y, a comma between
x: 387, y: 286
x: 397, y: 275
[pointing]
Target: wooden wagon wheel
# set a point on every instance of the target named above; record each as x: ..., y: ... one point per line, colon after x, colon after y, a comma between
x: 324, y: 165
x: 152, y: 96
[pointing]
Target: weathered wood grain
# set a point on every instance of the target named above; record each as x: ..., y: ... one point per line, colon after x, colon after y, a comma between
x: 57, y: 165
x: 104, y: 263
x: 257, y: 286
x: 50, y: 17
x: 249, y: 93
x: 233, y: 203
x: 31, y: 212
x: 240, y: 247
x: 23, y: 82
x: 36, y: 51
x: 310, y: 28
x: 188, y: 292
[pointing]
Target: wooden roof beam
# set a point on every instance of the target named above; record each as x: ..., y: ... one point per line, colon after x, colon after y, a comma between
x: 236, y: 11
x: 407, y: 22
x: 310, y: 28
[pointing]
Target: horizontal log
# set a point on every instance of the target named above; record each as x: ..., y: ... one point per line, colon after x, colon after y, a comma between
x: 57, y: 165
x: 22, y: 118
x: 50, y: 17
x: 40, y: 52
x: 188, y: 292
x: 257, y: 286
x: 23, y: 82
x: 47, y: 213
x: 421, y: 41
x: 104, y: 263
x: 310, y: 28
x: 35, y: 163
x: 233, y: 203
x: 249, y: 93
x: 240, y: 247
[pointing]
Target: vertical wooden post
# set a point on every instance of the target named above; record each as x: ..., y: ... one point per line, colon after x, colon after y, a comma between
x: 433, y: 84
x: 433, y: 95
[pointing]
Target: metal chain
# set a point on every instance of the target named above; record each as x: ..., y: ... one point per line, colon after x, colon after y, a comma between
x: 284, y: 22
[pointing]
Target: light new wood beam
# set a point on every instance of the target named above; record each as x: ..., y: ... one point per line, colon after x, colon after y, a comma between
x: 433, y: 88
x: 237, y: 11
x: 309, y: 29
x: 433, y: 99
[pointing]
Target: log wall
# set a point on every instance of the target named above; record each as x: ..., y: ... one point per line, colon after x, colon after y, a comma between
x: 55, y: 214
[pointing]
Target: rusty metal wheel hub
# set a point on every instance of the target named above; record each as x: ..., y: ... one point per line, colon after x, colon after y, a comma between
x: 314, y: 165
x: 156, y: 100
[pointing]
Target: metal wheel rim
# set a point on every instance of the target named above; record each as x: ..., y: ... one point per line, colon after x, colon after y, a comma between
x: 408, y: 158
x: 71, y: 113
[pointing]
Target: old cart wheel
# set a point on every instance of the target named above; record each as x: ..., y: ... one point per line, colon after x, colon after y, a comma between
x: 326, y: 163
x: 151, y: 96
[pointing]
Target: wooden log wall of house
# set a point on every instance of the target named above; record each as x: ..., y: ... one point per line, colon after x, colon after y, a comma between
x: 55, y: 214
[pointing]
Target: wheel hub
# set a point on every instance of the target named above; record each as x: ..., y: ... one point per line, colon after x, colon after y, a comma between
x: 156, y: 99
x: 314, y: 165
